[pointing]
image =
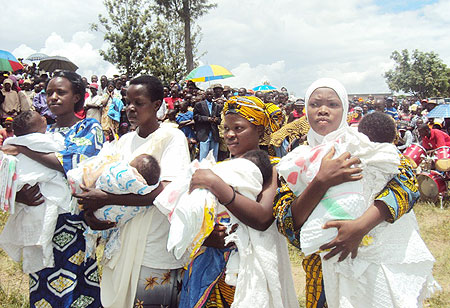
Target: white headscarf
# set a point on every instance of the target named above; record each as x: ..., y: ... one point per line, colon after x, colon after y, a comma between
x: 313, y: 137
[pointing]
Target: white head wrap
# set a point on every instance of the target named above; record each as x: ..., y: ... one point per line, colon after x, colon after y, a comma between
x: 313, y: 137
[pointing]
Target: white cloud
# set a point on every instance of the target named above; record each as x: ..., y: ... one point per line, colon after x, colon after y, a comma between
x: 349, y: 40
x: 287, y: 42
x: 79, y: 50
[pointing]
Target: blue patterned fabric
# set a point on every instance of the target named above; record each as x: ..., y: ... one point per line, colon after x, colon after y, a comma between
x: 72, y: 282
x: 82, y: 140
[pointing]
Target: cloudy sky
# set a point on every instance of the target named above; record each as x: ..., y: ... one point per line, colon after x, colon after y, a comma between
x: 286, y: 42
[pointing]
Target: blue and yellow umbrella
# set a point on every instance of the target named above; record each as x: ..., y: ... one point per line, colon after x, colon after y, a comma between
x: 208, y: 73
x: 264, y: 88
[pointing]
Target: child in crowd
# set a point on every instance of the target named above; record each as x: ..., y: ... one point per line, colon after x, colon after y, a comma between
x: 140, y: 176
x: 29, y: 230
x: 171, y: 118
x: 388, y: 250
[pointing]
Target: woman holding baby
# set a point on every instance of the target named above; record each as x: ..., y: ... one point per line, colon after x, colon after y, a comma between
x: 72, y: 281
x: 326, y: 106
x: 143, y: 272
x: 247, y: 119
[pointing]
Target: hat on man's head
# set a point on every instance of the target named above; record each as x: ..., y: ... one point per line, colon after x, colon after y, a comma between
x: 227, y: 88
x: 9, y: 119
x: 217, y: 85
x: 389, y: 98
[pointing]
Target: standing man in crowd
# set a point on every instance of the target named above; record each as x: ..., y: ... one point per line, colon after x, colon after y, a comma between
x: 93, y: 104
x: 40, y: 104
x: 11, y: 104
x: 207, y: 119
x: 390, y: 109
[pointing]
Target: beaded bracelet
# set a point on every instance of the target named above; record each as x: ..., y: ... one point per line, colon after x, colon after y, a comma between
x: 232, y: 199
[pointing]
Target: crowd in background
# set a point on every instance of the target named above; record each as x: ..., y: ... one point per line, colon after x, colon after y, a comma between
x: 105, y: 101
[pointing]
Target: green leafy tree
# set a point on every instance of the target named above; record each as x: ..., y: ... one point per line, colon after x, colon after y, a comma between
x: 166, y: 58
x: 187, y: 11
x: 128, y: 30
x: 422, y: 74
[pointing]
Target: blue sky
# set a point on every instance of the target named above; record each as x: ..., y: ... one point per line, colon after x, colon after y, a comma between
x: 396, y: 6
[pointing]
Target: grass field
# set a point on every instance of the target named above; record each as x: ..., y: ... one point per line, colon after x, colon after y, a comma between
x: 434, y: 226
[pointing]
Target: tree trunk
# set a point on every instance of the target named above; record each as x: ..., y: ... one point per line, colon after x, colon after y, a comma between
x: 187, y: 36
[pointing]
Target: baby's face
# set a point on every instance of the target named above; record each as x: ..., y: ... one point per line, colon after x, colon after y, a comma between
x: 38, y: 122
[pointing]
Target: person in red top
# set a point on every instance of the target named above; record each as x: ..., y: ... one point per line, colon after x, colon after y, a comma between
x: 7, y: 131
x: 433, y: 138
x: 297, y: 113
x: 174, y: 97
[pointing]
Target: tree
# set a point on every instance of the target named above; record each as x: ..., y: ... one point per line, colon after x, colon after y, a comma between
x: 128, y: 31
x: 187, y: 11
x: 166, y: 59
x: 422, y: 74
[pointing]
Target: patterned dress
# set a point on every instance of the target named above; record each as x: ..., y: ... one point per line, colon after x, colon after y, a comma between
x: 399, y: 195
x: 71, y: 282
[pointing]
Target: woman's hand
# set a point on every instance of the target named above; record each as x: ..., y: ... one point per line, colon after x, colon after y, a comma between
x: 11, y: 149
x: 30, y: 195
x: 333, y: 172
x: 95, y: 223
x: 350, y: 235
x: 217, y: 237
x: 203, y: 178
x: 92, y: 199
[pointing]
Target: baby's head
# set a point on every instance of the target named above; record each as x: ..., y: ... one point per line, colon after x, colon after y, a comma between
x: 262, y: 161
x: 378, y: 126
x: 148, y: 167
x: 29, y: 122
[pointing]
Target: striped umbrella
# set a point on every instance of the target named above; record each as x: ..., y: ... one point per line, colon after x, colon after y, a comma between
x: 440, y: 111
x: 9, y: 63
x: 208, y: 73
x: 264, y: 88
x: 38, y: 56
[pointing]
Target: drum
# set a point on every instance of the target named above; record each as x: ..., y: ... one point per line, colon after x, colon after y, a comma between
x: 442, y: 161
x: 415, y: 153
x: 431, y: 184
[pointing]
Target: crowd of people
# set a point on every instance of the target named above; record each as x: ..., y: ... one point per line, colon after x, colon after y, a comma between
x: 237, y: 257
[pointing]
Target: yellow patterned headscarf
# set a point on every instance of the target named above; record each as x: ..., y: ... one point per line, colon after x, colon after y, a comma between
x: 255, y: 111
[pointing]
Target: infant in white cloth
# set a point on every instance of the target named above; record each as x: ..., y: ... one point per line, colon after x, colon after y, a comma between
x: 29, y: 230
x: 349, y: 200
x: 192, y: 215
x: 140, y: 177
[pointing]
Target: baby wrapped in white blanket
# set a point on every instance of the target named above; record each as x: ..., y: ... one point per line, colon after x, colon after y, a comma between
x: 349, y: 200
x: 29, y: 230
x: 260, y: 267
x: 393, y: 268
x: 140, y: 177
